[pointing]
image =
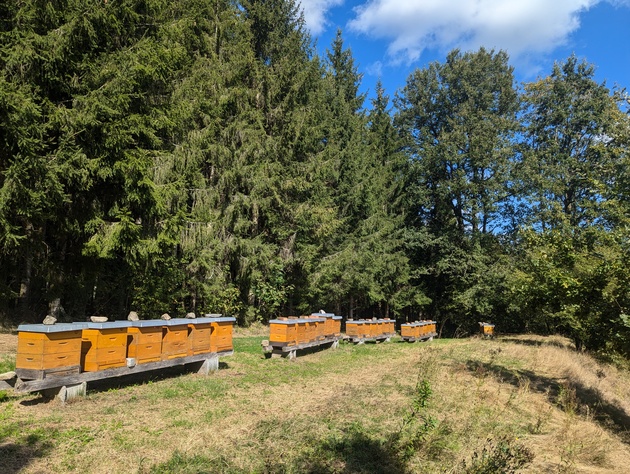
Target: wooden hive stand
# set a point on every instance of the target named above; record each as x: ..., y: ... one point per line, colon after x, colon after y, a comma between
x: 97, y: 351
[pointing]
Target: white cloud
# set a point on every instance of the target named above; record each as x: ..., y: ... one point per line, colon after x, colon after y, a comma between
x: 375, y: 69
x: 315, y: 13
x: 521, y: 27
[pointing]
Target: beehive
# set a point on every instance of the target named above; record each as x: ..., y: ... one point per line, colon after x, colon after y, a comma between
x: 283, y: 332
x: 389, y: 326
x: 319, y: 332
x: 359, y: 328
x: 221, y: 337
x: 175, y: 338
x: 43, y: 347
x: 487, y: 329
x: 332, y: 324
x: 336, y: 326
x: 104, y: 345
x: 199, y: 336
x: 410, y: 330
x: 145, y: 340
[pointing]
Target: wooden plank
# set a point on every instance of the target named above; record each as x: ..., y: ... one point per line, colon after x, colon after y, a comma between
x: 37, y: 385
x: 42, y: 374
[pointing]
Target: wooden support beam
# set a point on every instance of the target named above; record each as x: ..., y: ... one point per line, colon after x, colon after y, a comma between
x: 71, y: 380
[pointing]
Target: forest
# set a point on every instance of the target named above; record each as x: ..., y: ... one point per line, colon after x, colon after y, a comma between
x: 200, y: 155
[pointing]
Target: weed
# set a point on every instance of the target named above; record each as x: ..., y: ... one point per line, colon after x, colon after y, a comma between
x: 416, y: 424
x: 502, y: 455
x: 567, y: 399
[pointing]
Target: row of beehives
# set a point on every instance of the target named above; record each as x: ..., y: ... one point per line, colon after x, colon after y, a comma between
x: 295, y: 331
x: 418, y: 330
x: 370, y: 328
x: 88, y: 347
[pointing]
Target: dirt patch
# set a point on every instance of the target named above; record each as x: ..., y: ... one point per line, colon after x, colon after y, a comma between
x: 8, y: 344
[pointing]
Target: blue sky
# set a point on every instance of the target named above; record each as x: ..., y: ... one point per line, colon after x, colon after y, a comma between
x: 391, y: 38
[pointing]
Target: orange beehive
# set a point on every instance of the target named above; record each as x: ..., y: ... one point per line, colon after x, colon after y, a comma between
x: 336, y: 326
x: 43, y: 347
x: 332, y: 324
x: 389, y: 326
x: 320, y: 327
x: 409, y: 330
x: 283, y: 332
x: 354, y: 328
x: 175, y: 338
x: 221, y: 337
x: 487, y: 329
x: 302, y: 330
x: 145, y: 340
x: 104, y: 345
x: 311, y: 329
x: 199, y: 336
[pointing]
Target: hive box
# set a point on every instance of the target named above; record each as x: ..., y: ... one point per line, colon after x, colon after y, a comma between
x: 199, y: 335
x: 332, y: 324
x: 104, y: 345
x: 175, y: 338
x: 283, y: 332
x: 410, y: 330
x: 221, y: 337
x: 49, y: 348
x: 487, y: 329
x: 357, y: 328
x: 145, y: 340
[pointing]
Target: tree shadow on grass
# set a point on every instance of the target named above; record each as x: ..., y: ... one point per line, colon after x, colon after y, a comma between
x: 537, y: 342
x: 354, y: 452
x: 605, y: 412
x: 15, y: 457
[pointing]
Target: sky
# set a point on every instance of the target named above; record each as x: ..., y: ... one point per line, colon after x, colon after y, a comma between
x: 389, y: 39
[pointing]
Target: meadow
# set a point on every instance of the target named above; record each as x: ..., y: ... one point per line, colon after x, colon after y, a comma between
x: 513, y: 404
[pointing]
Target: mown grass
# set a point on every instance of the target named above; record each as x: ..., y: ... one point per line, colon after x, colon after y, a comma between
x: 457, y: 406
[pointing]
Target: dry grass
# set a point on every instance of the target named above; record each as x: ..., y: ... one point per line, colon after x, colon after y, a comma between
x: 525, y: 402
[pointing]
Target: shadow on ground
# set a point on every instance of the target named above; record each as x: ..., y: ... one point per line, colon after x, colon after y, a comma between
x: 537, y: 342
x: 354, y: 452
x: 16, y: 457
x: 608, y: 414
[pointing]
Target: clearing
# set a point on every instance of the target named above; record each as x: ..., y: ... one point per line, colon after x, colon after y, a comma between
x: 468, y: 405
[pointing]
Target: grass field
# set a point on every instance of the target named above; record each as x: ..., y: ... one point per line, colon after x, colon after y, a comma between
x: 526, y: 404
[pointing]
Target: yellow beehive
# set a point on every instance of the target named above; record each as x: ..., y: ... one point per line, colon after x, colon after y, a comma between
x: 409, y: 330
x: 175, y: 338
x: 487, y: 330
x: 104, y: 345
x: 283, y: 332
x: 43, y: 347
x: 199, y: 336
x: 221, y: 337
x: 336, y: 326
x: 145, y: 341
x: 354, y: 328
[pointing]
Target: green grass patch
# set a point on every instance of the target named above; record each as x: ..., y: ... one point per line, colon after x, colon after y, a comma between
x: 7, y: 364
